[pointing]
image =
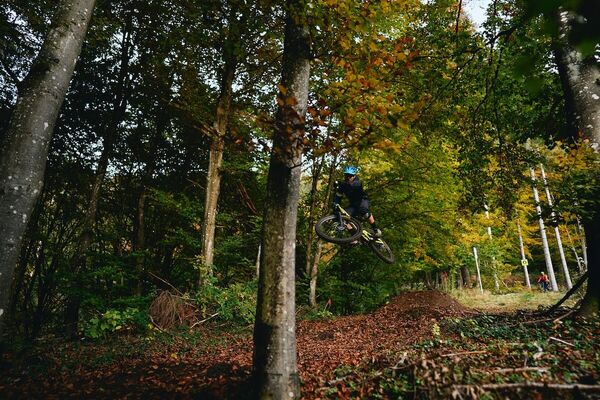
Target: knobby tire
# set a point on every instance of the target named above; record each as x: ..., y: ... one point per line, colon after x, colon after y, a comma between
x: 324, y: 225
x: 382, y: 250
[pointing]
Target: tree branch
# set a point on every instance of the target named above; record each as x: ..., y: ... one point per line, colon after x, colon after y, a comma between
x: 582, y: 279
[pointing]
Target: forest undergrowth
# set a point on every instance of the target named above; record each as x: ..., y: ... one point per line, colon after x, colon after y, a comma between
x: 422, y: 345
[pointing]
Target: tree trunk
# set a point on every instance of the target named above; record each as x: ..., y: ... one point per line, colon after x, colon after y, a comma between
x: 428, y: 280
x: 580, y: 265
x: 561, y: 251
x: 24, y: 149
x: 314, y: 269
x: 84, y: 241
x: 24, y: 257
x: 524, y: 261
x: 215, y: 162
x: 547, y: 256
x: 258, y: 261
x: 580, y: 78
x: 591, y: 300
x: 316, y: 172
x: 274, y: 359
x: 476, y: 256
x: 314, y: 273
x: 139, y: 227
x: 466, y: 276
x: 37, y: 270
x: 45, y: 286
x: 140, y: 236
x: 581, y: 235
x: 494, y: 270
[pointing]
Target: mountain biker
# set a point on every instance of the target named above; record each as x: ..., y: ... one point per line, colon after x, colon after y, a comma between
x: 544, y: 281
x: 352, y: 188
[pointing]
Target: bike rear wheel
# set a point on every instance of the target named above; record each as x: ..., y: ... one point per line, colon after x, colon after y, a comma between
x: 382, y: 250
x: 329, y: 229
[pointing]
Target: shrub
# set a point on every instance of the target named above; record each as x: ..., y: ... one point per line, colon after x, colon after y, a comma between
x: 113, y: 321
x: 235, y: 303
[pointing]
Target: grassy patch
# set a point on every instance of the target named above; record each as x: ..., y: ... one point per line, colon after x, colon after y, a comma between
x: 521, y: 300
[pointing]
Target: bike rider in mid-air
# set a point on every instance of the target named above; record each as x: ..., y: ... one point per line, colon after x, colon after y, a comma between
x: 352, y: 188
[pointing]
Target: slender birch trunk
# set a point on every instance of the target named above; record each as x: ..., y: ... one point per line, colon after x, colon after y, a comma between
x: 523, y: 258
x: 556, y: 231
x: 581, y: 235
x: 274, y: 360
x: 580, y: 265
x: 314, y: 272
x: 489, y: 231
x: 478, y: 271
x: 258, y: 261
x: 538, y: 209
x: 24, y: 149
x: 140, y: 235
x: 316, y: 173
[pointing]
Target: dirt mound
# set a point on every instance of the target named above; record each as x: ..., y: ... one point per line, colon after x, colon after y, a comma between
x: 408, y: 318
x: 423, y: 303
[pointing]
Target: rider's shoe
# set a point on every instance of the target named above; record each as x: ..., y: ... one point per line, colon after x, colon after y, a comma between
x: 377, y: 233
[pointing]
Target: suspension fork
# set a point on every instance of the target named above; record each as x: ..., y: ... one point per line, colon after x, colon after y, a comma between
x: 339, y: 216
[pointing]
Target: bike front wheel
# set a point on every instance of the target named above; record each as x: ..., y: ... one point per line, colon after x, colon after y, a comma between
x: 331, y: 230
x: 382, y: 250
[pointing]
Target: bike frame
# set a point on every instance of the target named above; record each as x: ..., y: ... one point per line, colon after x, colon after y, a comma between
x: 366, y: 235
x: 342, y: 213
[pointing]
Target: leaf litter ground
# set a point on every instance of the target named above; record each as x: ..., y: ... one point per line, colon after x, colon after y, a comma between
x: 419, y: 345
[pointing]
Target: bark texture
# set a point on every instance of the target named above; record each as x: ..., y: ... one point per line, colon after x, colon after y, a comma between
x: 213, y: 179
x: 215, y: 162
x: 580, y: 78
x: 465, y: 275
x: 275, y: 368
x: 24, y: 149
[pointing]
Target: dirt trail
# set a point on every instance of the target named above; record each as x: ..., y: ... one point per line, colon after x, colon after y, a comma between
x: 325, y: 345
x: 221, y: 372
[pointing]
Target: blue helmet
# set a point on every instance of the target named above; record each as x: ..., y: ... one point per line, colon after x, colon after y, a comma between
x: 350, y: 170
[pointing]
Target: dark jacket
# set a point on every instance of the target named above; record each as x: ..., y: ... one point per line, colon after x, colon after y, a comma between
x: 352, y: 190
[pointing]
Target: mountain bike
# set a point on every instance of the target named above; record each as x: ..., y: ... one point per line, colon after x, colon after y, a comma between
x: 341, y: 228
